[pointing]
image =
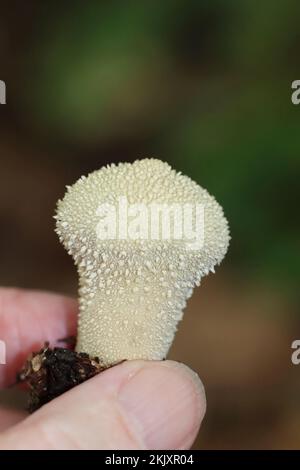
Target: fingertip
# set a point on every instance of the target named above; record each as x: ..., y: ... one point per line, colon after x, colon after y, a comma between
x: 167, y: 400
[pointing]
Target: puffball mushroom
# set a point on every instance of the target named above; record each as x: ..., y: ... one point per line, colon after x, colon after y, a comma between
x: 133, y: 289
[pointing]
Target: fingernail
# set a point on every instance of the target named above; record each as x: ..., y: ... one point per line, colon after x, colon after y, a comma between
x: 166, y: 403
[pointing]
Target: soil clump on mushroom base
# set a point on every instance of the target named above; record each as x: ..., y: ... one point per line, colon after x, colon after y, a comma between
x: 50, y: 372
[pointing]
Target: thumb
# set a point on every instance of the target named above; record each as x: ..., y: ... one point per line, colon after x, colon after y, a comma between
x: 135, y: 405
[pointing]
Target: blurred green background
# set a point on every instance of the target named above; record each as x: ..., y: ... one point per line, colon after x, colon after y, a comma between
x: 206, y: 86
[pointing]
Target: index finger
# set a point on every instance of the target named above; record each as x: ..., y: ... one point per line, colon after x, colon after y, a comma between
x: 27, y: 320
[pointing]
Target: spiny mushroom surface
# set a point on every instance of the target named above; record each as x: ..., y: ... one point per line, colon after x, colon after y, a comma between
x: 132, y: 291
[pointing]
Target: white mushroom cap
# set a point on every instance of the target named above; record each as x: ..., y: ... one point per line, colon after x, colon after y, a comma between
x: 133, y: 291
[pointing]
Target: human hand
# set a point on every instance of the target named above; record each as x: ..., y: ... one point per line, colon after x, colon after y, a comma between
x: 134, y: 405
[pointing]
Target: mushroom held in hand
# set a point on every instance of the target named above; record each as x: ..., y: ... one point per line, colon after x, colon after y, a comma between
x: 142, y: 236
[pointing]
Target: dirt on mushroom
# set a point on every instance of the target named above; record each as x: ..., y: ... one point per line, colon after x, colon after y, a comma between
x: 51, y: 372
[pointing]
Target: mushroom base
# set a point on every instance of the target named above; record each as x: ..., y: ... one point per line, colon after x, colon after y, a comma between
x: 51, y: 372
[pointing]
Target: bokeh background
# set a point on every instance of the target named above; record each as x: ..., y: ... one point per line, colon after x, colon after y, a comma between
x: 206, y: 86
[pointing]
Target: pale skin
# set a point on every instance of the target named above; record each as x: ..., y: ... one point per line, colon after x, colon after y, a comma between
x: 135, y: 405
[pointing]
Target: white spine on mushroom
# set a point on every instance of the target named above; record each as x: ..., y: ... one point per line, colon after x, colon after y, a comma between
x: 132, y: 292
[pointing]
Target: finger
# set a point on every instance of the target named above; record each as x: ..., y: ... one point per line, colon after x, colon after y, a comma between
x: 9, y: 417
x: 135, y: 405
x: 27, y: 320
